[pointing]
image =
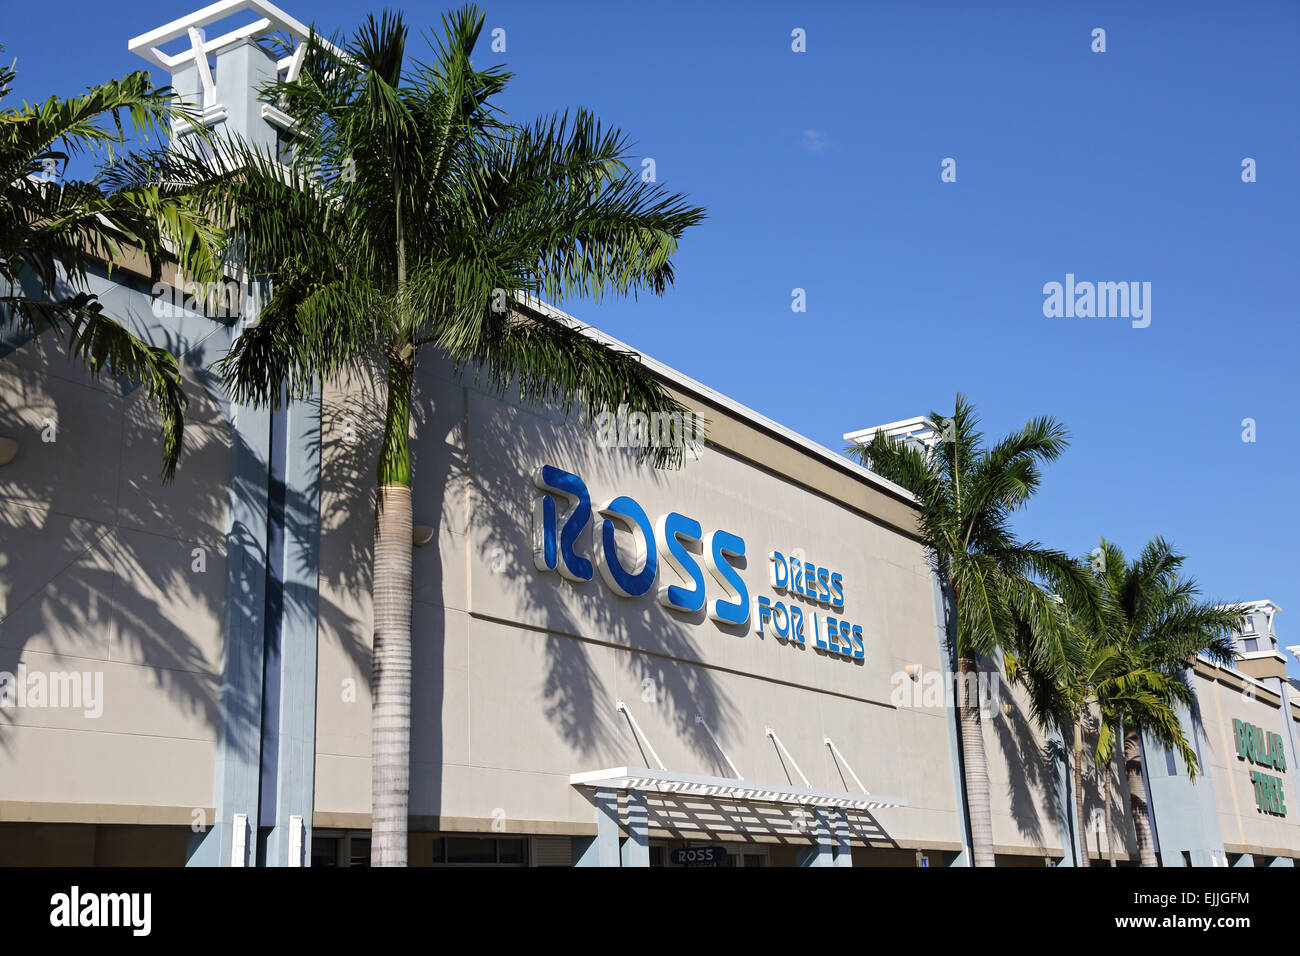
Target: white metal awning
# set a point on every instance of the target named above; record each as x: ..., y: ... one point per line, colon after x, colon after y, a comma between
x: 727, y: 788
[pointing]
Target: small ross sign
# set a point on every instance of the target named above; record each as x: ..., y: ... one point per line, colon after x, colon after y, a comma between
x: 699, y: 855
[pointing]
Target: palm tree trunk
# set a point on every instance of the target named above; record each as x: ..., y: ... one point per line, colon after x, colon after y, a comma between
x: 1078, y: 791
x: 390, y: 681
x: 1110, y: 827
x: 977, y: 770
x: 1137, y: 793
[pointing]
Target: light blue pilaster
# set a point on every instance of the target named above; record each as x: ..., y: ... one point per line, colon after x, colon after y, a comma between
x: 636, y: 848
x: 602, y: 850
x: 822, y: 852
x: 242, y: 69
x: 1290, y: 779
x: 296, y: 763
x: 1063, y: 785
x: 843, y: 848
x: 239, y: 705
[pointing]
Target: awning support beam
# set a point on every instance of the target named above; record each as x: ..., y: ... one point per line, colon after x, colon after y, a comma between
x: 620, y: 705
x: 699, y: 719
x: 839, y: 757
x: 777, y: 740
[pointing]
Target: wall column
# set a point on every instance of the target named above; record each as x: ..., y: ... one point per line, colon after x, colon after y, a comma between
x: 843, y: 849
x: 601, y: 850
x: 636, y: 848
x: 821, y: 853
x: 239, y: 704
x: 293, y: 784
x: 1071, y: 830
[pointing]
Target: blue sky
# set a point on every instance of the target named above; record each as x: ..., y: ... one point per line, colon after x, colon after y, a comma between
x: 821, y: 171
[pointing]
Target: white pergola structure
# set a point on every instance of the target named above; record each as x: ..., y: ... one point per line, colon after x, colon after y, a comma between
x: 919, y: 430
x: 828, y: 809
x: 253, y: 19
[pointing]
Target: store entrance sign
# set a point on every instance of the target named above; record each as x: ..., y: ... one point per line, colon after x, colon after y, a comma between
x: 1265, y: 749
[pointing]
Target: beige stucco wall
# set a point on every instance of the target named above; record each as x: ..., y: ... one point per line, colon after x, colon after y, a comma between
x: 517, y: 671
x: 97, y: 576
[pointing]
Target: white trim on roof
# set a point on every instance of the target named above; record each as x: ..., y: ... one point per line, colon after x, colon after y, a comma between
x: 688, y: 384
x: 727, y: 788
x: 1240, y: 675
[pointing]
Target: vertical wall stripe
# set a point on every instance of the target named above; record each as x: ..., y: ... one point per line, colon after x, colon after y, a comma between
x: 945, y: 630
x: 239, y: 705
x: 607, y: 828
x: 843, y: 848
x: 636, y: 848
x: 1063, y: 787
x: 294, y: 782
x: 273, y: 659
x: 1292, y: 776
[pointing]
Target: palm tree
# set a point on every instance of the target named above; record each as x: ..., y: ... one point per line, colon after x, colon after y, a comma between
x: 967, y: 493
x: 1158, y: 625
x: 53, y: 233
x: 412, y: 216
x: 1108, y: 677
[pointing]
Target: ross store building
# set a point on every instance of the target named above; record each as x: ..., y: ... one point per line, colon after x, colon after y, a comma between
x: 745, y: 661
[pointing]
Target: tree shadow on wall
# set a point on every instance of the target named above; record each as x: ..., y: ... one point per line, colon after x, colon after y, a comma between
x: 1035, y: 765
x: 102, y: 566
x: 659, y: 649
x: 476, y: 492
x: 100, y: 563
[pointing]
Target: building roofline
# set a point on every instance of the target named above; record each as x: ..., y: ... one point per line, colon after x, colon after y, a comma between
x: 698, y: 389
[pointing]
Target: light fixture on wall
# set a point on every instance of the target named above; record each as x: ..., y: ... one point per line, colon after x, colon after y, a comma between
x: 421, y: 535
x: 912, y: 670
x: 8, y: 449
x: 1008, y: 710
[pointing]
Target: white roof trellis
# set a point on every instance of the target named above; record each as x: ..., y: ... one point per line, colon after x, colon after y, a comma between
x: 268, y: 18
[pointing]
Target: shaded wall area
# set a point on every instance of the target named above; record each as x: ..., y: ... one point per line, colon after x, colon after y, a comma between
x: 108, y: 573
